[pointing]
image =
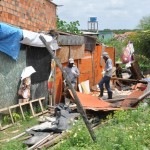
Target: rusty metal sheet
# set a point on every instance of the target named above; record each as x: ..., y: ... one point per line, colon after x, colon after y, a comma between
x: 135, y: 69
x: 147, y: 89
x: 94, y: 103
x: 132, y: 98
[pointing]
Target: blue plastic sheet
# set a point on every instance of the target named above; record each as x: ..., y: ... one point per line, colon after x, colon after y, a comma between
x: 10, y: 38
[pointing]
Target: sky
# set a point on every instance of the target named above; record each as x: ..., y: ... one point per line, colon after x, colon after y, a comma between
x: 110, y: 14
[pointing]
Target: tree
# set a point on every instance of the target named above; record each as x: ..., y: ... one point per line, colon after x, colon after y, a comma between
x: 145, y: 23
x: 71, y: 27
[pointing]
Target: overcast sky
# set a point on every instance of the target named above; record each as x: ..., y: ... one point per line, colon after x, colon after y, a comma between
x: 111, y: 14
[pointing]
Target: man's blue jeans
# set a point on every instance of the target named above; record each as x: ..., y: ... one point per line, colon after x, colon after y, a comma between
x: 105, y: 80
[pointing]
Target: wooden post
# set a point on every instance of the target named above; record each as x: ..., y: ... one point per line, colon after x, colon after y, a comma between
x: 22, y: 111
x: 41, y: 106
x: 32, y: 110
x: 144, y: 96
x: 36, y: 144
x: 93, y: 68
x: 129, y: 80
x: 11, y: 116
x: 54, y: 84
x: 79, y: 106
x: 101, y: 58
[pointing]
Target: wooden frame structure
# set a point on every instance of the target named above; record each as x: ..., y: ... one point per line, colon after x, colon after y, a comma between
x: 30, y: 103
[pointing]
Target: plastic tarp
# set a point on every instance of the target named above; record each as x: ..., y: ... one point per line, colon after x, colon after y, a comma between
x: 10, y: 38
x: 33, y: 39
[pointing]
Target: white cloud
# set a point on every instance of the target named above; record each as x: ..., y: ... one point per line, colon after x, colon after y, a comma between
x: 112, y: 14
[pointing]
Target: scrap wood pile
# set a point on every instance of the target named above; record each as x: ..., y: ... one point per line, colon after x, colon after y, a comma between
x: 51, y: 128
x: 136, y: 86
x: 128, y: 90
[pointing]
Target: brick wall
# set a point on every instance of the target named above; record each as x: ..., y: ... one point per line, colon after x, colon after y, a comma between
x: 34, y: 15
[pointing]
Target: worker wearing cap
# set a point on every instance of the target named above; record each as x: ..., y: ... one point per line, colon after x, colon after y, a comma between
x: 72, y: 72
x: 107, y: 75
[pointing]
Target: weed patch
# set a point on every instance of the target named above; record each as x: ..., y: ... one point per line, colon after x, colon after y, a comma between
x: 125, y: 130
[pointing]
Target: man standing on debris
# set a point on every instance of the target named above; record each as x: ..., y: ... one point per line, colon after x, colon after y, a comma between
x: 72, y: 71
x: 107, y: 75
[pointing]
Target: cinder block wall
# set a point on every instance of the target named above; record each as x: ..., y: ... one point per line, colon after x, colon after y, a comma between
x: 34, y: 15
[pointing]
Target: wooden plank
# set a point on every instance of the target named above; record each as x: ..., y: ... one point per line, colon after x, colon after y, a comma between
x: 38, y: 114
x: 144, y: 96
x: 17, y: 105
x: 20, y: 105
x: 14, y: 106
x: 115, y: 100
x: 90, y: 43
x: 135, y: 69
x: 41, y: 106
x: 31, y: 108
x: 85, y: 86
x: 101, y: 57
x: 129, y: 80
x: 3, y: 109
x: 37, y: 99
x: 147, y: 89
x: 38, y: 143
x: 54, y: 84
x: 11, y: 115
x: 50, y: 141
x: 77, y: 52
x: 22, y: 111
x: 40, y: 147
x: 63, y: 54
x: 15, y: 137
x: 5, y: 127
x: 56, y: 139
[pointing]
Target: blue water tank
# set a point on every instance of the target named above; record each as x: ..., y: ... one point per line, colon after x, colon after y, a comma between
x: 93, y: 19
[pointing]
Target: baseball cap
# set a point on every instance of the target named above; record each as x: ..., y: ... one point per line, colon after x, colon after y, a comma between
x: 71, y: 60
x: 105, y: 54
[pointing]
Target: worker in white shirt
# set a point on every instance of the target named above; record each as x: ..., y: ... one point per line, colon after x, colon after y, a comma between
x: 107, y: 76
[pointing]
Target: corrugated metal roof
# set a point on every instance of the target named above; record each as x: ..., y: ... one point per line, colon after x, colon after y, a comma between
x: 94, y: 103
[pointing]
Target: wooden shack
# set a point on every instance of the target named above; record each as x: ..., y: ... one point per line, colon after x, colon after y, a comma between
x: 87, y: 55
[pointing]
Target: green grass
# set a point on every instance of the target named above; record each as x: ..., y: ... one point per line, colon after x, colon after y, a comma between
x: 16, y: 129
x: 127, y: 130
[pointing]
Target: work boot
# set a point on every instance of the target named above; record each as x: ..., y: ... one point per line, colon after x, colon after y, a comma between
x: 110, y: 95
x: 101, y: 93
